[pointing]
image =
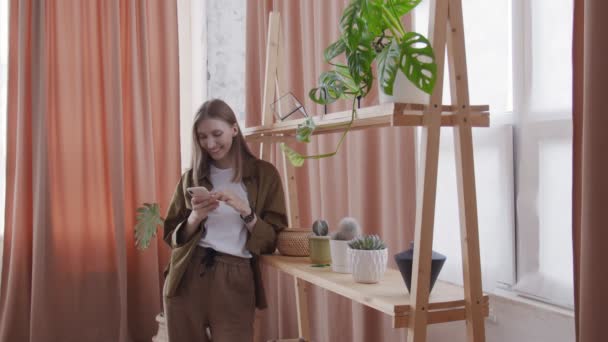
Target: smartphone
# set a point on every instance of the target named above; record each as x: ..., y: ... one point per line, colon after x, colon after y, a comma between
x: 198, y: 191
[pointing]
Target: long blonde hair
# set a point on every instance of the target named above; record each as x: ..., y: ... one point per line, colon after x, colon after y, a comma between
x: 220, y: 110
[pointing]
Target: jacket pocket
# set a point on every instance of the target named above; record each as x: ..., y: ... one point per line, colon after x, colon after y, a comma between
x: 178, y: 264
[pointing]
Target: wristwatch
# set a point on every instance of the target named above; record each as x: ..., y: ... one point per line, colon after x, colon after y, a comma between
x: 250, y: 217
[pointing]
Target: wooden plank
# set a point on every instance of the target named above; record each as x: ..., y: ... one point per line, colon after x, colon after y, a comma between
x: 427, y: 183
x: 389, y: 108
x: 302, y: 308
x: 275, y: 139
x: 465, y: 171
x: 389, y: 114
x: 261, y: 150
x: 440, y: 316
x: 477, y: 120
x: 445, y: 316
x: 266, y: 145
x: 281, y: 85
x: 293, y: 211
x: 389, y: 295
x: 272, y: 51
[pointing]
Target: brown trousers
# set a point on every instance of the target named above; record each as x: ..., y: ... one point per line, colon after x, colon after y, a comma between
x: 216, y: 292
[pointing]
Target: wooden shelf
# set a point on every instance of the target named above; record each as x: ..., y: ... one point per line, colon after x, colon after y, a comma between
x: 446, y: 302
x: 383, y: 115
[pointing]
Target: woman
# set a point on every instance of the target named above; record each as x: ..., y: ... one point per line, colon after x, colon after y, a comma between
x: 214, y: 279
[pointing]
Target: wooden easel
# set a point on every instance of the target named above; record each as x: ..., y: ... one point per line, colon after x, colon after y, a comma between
x: 445, y: 31
x: 273, y: 84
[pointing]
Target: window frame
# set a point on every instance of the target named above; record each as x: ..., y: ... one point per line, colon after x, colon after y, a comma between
x: 532, y: 128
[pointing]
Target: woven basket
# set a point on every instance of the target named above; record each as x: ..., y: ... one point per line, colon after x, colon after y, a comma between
x: 294, y: 242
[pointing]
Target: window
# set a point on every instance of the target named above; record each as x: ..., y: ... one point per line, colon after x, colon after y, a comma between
x: 489, y: 58
x: 544, y: 154
x: 212, y: 60
x: 519, y: 62
x: 226, y: 63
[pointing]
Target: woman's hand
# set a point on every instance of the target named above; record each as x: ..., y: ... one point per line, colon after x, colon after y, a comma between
x: 241, y: 206
x: 201, y: 208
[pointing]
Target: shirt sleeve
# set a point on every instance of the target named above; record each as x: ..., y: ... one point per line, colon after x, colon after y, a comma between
x: 177, y: 216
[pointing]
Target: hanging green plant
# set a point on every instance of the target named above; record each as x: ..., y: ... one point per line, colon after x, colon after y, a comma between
x: 371, y: 30
x: 305, y: 129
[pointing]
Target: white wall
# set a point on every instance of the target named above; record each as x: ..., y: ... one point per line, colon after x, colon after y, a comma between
x: 226, y: 52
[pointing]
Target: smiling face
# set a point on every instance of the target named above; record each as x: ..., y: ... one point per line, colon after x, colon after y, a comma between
x: 216, y: 137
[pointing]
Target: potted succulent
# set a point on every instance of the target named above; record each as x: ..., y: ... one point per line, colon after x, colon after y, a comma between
x: 370, y: 32
x: 319, y: 244
x: 368, y: 256
x: 348, y: 229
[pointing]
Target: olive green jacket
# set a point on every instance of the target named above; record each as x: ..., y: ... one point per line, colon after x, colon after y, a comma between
x: 265, y: 194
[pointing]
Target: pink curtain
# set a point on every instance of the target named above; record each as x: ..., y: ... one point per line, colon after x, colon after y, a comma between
x: 590, y: 76
x: 93, y: 132
x: 372, y: 178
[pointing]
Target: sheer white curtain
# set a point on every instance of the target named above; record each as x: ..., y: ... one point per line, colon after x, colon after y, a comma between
x: 192, y: 26
x: 544, y: 151
x: 519, y: 62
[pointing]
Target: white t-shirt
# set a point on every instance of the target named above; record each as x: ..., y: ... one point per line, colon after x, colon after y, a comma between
x: 225, y: 230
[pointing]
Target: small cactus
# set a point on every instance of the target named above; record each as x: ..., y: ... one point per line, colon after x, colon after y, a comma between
x: 367, y: 242
x: 320, y: 228
x: 348, y: 229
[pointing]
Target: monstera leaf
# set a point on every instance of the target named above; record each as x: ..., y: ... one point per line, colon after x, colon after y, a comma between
x: 388, y: 65
x: 418, y: 62
x: 148, y: 220
x: 336, y: 48
x: 401, y: 7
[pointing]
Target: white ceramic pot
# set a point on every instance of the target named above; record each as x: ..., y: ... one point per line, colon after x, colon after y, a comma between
x: 368, y: 266
x: 339, y: 257
x: 404, y: 91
